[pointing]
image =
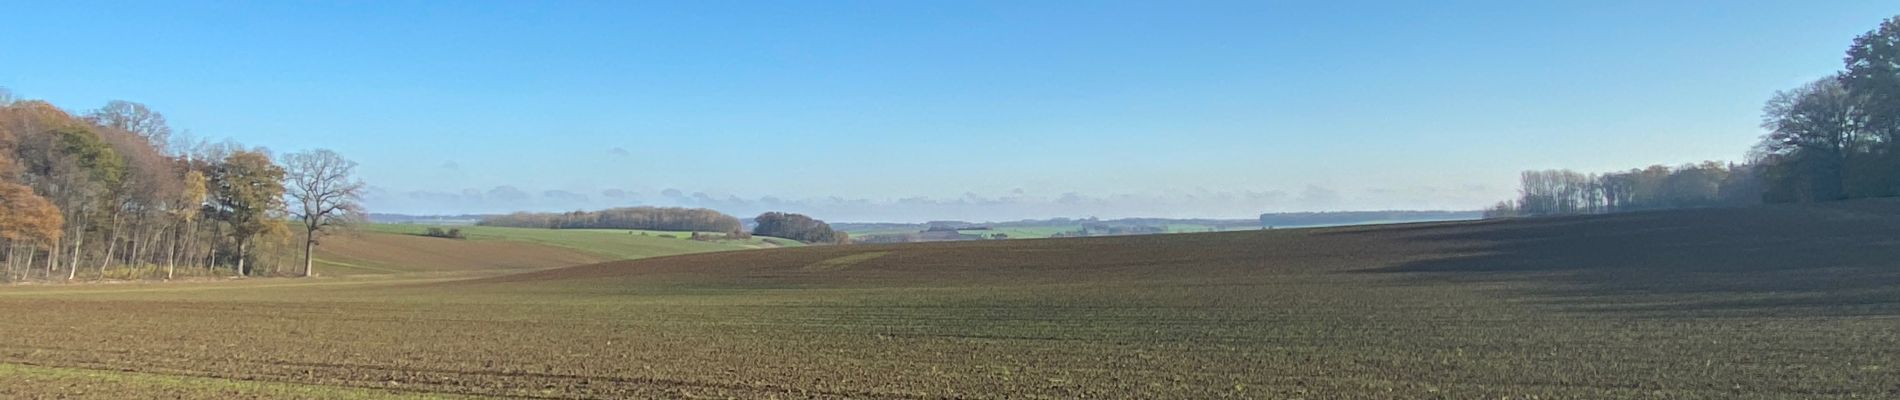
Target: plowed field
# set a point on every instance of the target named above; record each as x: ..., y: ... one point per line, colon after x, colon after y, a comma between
x: 1759, y: 303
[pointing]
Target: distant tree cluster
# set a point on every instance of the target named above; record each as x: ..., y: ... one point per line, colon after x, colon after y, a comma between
x: 450, y: 233
x: 113, y: 189
x: 718, y: 237
x: 797, y: 227
x: 1559, y: 192
x: 1835, y: 138
x: 648, y: 218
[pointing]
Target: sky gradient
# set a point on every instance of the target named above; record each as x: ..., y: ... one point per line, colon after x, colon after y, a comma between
x: 911, y: 111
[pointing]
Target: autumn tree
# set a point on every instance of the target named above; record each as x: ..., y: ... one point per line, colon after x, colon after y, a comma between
x: 25, y: 217
x: 248, y: 190
x: 324, y: 192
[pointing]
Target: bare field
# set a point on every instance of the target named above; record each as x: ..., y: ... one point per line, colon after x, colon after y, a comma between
x: 1762, y: 303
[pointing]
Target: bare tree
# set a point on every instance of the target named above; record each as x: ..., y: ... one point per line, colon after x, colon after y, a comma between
x: 136, y: 118
x: 324, y: 194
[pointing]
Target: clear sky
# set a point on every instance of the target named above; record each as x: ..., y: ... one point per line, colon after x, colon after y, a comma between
x: 918, y: 110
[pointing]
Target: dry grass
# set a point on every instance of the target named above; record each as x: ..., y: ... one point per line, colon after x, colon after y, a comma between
x: 1767, y: 303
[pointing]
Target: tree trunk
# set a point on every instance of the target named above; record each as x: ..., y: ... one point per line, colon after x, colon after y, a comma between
x: 29, y: 261
x: 52, y: 256
x: 189, y: 248
x: 171, y: 254
x: 79, y: 239
x: 309, y: 243
x: 191, y: 233
x: 241, y: 255
x: 132, y: 257
x: 112, y: 244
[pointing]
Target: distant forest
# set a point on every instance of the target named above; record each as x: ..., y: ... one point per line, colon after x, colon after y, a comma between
x: 646, y: 218
x: 1835, y: 138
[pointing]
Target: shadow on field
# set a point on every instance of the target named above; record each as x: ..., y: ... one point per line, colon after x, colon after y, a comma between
x: 1840, y: 258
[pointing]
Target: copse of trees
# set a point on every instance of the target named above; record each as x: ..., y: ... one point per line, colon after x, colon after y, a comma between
x: 797, y: 227
x: 1835, y: 138
x: 451, y: 233
x: 114, y: 188
x: 647, y: 218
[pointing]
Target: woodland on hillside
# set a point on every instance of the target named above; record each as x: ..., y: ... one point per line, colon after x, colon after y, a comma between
x: 113, y: 193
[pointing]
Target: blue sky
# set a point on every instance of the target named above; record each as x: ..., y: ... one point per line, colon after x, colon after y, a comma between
x: 914, y: 110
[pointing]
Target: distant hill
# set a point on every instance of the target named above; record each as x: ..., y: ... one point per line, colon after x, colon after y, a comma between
x: 463, y: 219
x: 1342, y: 218
x: 933, y: 231
x: 881, y: 227
x: 886, y: 232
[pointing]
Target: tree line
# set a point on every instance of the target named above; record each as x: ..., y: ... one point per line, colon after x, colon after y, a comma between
x: 112, y: 192
x: 1562, y: 191
x: 1835, y: 138
x: 647, y: 218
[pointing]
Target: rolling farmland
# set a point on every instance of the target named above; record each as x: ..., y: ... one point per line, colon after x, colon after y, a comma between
x: 1755, y: 303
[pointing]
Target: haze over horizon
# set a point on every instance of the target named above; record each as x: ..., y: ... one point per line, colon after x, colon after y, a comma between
x: 916, y: 111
